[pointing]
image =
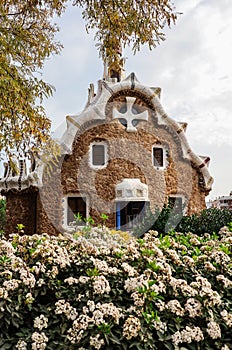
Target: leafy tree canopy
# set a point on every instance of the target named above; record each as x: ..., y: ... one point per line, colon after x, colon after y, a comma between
x: 120, y: 23
x: 27, y: 38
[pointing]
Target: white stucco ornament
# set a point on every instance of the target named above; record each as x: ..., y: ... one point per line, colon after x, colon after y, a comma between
x: 131, y: 190
x: 129, y: 115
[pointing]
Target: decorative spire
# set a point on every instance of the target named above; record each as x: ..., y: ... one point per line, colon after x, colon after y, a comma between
x: 114, y: 70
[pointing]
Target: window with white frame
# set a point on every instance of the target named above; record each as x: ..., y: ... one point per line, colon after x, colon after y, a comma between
x: 76, y: 205
x: 98, y: 154
x: 158, y: 156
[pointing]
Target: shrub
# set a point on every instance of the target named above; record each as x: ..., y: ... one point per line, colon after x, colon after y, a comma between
x: 161, y: 220
x: 172, y: 292
x: 208, y: 220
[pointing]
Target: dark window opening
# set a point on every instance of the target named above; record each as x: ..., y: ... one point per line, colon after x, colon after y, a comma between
x: 6, y: 169
x: 132, y: 213
x: 76, y: 205
x: 158, y: 156
x: 123, y: 121
x: 98, y: 155
x: 176, y: 203
x: 115, y: 74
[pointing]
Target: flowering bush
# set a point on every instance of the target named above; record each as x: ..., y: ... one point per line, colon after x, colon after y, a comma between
x: 160, y: 292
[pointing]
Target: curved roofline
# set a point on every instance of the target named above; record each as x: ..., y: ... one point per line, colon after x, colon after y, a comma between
x: 95, y: 109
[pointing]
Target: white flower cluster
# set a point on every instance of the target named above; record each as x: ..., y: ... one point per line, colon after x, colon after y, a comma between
x: 101, y: 312
x: 39, y: 341
x: 50, y: 249
x: 71, y: 280
x: 132, y: 284
x: 107, y: 310
x: 160, y: 326
x: 3, y: 293
x: 193, y: 307
x: 76, y: 333
x: 100, y: 285
x: 203, y: 286
x: 6, y: 248
x: 172, y: 254
x: 11, y: 284
x: 227, y: 317
x: 63, y: 307
x: 214, y: 330
x: 188, y: 335
x: 103, y: 267
x: 41, y: 322
x: 220, y: 257
x: 93, y: 314
x: 21, y: 345
x: 131, y: 327
x: 139, y: 299
x: 29, y: 299
x: 96, y: 342
x: 27, y: 277
x: 129, y: 269
x: 225, y: 281
x: 209, y: 266
x: 175, y: 307
x: 180, y: 285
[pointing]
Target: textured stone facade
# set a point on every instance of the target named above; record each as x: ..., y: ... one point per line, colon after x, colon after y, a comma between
x: 130, y: 156
x: 21, y: 209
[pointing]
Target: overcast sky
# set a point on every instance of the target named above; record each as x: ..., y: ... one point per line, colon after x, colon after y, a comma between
x: 193, y: 67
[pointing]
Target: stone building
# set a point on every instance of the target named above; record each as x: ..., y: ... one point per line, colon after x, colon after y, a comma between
x: 221, y: 202
x: 121, y: 155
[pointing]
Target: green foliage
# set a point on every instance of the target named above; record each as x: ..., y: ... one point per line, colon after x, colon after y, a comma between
x: 208, y: 220
x: 19, y: 228
x: 146, y: 294
x: 2, y: 214
x: 104, y: 219
x: 86, y: 223
x: 26, y: 40
x: 230, y: 226
x: 121, y: 23
x: 161, y: 220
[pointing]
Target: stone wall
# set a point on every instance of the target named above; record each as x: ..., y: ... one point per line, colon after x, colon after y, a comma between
x: 49, y: 206
x: 21, y: 209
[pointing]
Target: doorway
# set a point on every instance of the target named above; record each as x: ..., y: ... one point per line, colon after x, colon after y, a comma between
x: 130, y: 214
